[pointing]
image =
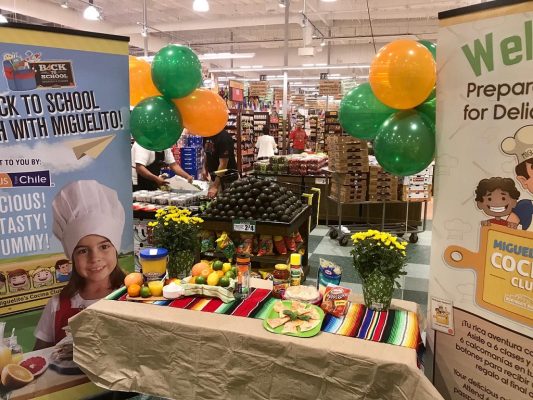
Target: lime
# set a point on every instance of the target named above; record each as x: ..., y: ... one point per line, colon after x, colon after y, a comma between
x: 234, y: 270
x: 145, y: 291
x: 224, y: 281
x: 217, y: 265
x: 229, y: 275
x: 200, y: 280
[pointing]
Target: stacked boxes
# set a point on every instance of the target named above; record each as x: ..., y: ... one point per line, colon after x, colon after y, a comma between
x: 348, y: 155
x: 382, y: 186
x: 418, y: 187
x: 191, y: 156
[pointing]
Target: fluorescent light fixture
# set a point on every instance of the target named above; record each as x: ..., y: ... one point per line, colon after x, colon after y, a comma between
x: 257, y: 66
x: 3, y: 19
x: 328, y: 1
x: 91, y: 12
x: 225, y: 56
x: 245, y: 68
x: 200, y: 6
x: 321, y: 64
x: 64, y: 4
x: 308, y: 65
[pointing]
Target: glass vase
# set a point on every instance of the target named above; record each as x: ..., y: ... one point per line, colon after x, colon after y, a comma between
x: 180, y: 263
x: 377, y: 291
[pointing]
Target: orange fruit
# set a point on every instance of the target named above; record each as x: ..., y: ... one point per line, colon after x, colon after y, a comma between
x: 198, y: 268
x: 220, y: 273
x: 14, y: 376
x: 193, y: 279
x: 133, y: 278
x: 134, y: 290
x: 205, y: 272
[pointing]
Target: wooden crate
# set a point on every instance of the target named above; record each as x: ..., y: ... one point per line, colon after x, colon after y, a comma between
x: 383, y: 196
x: 349, y: 198
x: 345, y: 140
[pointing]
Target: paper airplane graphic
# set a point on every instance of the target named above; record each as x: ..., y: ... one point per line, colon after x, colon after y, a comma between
x: 90, y: 147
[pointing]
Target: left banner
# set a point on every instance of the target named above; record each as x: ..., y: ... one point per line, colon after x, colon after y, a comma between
x: 64, y: 109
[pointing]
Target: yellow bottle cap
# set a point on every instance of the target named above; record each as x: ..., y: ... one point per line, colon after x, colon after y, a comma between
x: 280, y: 267
x: 296, y: 259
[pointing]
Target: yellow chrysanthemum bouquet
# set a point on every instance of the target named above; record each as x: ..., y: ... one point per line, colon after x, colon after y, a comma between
x: 379, y: 258
x: 177, y: 231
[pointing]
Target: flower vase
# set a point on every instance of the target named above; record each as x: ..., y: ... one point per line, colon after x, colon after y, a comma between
x: 377, y: 291
x: 180, y: 263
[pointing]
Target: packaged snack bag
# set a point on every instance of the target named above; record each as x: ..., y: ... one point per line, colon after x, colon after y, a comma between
x: 246, y: 244
x: 266, y: 246
x: 279, y: 243
x: 328, y: 273
x: 290, y: 243
x: 207, y: 241
x: 226, y: 246
x: 297, y: 237
x: 335, y: 300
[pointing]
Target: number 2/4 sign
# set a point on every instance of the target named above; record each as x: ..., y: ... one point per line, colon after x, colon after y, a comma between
x: 240, y: 225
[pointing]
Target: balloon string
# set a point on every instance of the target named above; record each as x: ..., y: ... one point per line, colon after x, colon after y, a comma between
x: 371, y: 28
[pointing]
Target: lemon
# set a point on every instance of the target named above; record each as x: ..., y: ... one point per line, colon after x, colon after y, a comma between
x: 226, y: 267
x: 213, y: 278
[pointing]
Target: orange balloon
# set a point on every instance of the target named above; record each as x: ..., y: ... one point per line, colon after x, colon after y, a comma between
x: 203, y: 112
x: 403, y: 74
x: 141, y: 85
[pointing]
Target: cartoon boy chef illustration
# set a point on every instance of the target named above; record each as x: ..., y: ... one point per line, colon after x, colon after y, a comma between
x: 521, y: 146
x: 497, y: 197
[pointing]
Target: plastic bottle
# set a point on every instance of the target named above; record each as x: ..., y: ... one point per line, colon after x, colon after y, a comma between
x: 242, y: 288
x: 16, y: 350
x: 296, y: 269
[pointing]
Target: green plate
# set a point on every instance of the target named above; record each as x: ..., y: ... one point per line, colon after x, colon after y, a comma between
x: 273, y: 314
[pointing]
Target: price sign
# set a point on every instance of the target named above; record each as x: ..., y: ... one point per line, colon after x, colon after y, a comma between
x: 271, y: 178
x: 321, y: 181
x: 244, y: 225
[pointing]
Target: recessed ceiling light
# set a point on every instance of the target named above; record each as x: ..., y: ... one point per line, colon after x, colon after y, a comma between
x: 200, y: 6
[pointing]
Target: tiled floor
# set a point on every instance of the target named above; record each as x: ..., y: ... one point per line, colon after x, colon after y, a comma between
x: 414, y: 285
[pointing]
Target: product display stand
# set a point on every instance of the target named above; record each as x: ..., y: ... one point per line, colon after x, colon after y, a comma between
x: 299, y: 223
x: 398, y: 227
x: 245, y: 142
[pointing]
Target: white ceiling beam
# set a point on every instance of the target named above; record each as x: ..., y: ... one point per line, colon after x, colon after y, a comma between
x: 50, y: 12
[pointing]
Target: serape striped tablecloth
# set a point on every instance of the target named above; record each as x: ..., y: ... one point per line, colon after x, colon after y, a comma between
x: 396, y: 327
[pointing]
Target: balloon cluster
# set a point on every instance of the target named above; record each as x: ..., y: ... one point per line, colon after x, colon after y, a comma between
x: 396, y: 109
x: 166, y: 98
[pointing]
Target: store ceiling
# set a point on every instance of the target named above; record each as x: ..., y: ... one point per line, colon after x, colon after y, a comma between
x: 254, y: 26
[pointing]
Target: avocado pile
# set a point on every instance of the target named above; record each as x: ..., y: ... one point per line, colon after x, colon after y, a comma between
x: 258, y: 199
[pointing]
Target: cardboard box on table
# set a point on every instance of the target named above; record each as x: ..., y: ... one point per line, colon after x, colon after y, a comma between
x: 187, y: 354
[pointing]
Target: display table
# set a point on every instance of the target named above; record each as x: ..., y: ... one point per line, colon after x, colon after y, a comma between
x: 185, y: 354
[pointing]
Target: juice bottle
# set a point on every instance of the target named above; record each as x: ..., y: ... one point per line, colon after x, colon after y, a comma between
x: 296, y: 269
x: 5, y: 351
x: 242, y: 288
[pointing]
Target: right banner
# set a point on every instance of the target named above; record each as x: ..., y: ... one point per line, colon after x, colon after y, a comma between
x: 480, y: 310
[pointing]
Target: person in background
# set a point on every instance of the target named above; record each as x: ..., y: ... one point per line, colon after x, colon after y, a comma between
x: 298, y: 139
x: 88, y: 221
x: 266, y: 144
x: 146, y: 166
x: 219, y: 155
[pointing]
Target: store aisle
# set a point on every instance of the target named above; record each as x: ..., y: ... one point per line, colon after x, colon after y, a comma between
x: 414, y: 284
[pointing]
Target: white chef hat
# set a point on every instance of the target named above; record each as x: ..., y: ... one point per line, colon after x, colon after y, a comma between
x: 84, y: 208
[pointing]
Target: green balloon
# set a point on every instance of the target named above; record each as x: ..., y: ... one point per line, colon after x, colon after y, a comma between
x: 432, y: 47
x: 405, y: 143
x: 428, y: 108
x: 361, y: 113
x: 155, y: 123
x: 176, y: 71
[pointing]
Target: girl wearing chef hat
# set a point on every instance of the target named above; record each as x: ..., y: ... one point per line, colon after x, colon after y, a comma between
x: 88, y: 220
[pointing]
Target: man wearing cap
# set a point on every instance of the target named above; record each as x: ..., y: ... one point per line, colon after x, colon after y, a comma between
x: 521, y: 146
x: 146, y: 166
